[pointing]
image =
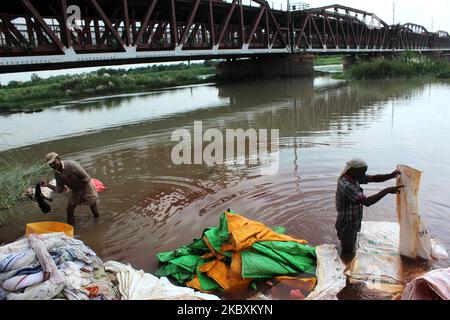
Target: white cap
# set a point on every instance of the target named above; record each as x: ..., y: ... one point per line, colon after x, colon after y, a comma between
x: 356, y: 164
x: 51, y: 157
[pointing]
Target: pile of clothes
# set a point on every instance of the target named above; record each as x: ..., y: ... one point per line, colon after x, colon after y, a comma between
x: 53, y: 266
x: 240, y: 253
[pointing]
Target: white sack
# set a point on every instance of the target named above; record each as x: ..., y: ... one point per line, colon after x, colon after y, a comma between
x: 415, y: 239
x: 138, y: 285
x: 330, y: 274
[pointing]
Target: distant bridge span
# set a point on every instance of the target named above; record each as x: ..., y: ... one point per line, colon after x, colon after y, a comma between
x: 40, y: 35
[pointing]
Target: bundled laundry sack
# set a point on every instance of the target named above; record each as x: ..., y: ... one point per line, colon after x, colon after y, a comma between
x: 238, y: 253
x: 415, y: 241
x: 138, y: 285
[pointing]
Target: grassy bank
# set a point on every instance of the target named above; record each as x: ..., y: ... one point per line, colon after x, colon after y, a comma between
x: 407, y: 65
x: 40, y: 93
x: 327, y: 60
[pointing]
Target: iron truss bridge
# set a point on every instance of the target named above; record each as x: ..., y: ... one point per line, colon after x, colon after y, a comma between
x: 55, y: 34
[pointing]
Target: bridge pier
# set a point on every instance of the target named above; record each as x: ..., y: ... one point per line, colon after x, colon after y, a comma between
x: 283, y: 66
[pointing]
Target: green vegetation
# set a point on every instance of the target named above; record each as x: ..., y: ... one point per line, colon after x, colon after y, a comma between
x: 15, y: 178
x: 37, y: 93
x: 328, y: 60
x: 408, y: 65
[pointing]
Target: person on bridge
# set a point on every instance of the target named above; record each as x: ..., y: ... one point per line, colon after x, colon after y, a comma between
x: 350, y: 200
x: 71, y: 174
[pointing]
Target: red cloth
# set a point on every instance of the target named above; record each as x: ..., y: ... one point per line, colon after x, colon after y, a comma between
x: 99, y: 186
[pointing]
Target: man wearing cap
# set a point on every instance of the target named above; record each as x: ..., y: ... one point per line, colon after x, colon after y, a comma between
x: 71, y: 174
x: 350, y: 200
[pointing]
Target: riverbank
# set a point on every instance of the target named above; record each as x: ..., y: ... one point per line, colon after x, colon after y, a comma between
x: 39, y: 93
x: 408, y: 65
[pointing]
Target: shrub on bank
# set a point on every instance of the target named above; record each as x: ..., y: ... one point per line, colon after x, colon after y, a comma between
x: 406, y: 66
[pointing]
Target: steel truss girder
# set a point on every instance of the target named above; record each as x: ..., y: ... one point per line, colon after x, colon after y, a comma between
x: 38, y: 28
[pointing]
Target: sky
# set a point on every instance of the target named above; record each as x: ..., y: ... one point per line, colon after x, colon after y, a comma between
x: 425, y: 13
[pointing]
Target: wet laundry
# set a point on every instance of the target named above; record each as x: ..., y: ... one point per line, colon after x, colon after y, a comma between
x: 43, y: 194
x: 42, y: 200
x: 23, y: 281
x: 229, y: 257
x: 46, y: 192
x: 239, y: 253
x: 73, y: 270
x: 138, y: 285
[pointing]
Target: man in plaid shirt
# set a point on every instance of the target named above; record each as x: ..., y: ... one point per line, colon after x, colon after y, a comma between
x: 350, y: 200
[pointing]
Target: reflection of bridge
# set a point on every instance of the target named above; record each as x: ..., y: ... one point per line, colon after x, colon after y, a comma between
x: 52, y: 34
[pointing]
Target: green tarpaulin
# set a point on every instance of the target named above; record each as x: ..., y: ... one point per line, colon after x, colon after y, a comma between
x: 264, y: 260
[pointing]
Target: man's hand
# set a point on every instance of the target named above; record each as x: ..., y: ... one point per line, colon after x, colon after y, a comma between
x: 382, y: 177
x: 395, y: 174
x: 394, y: 190
x: 380, y: 195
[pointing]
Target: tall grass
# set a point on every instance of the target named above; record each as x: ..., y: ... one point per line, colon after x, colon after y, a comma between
x: 408, y: 65
x: 15, y: 178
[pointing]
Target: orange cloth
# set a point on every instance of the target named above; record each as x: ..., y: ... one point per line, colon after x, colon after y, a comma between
x: 304, y: 283
x: 244, y: 233
x: 195, y: 284
x: 227, y: 278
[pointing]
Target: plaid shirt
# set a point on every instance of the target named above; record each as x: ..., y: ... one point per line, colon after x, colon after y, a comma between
x: 350, y: 213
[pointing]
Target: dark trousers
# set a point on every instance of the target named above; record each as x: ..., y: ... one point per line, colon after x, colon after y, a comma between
x: 348, y: 241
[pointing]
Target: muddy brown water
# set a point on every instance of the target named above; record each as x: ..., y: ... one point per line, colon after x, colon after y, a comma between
x: 152, y: 205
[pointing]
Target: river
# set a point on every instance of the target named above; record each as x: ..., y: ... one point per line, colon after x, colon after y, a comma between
x: 152, y: 205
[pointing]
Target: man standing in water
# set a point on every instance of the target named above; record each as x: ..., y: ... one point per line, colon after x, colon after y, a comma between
x: 350, y: 200
x: 71, y: 174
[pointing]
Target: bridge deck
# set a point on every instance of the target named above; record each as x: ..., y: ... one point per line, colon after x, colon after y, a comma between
x: 53, y: 34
